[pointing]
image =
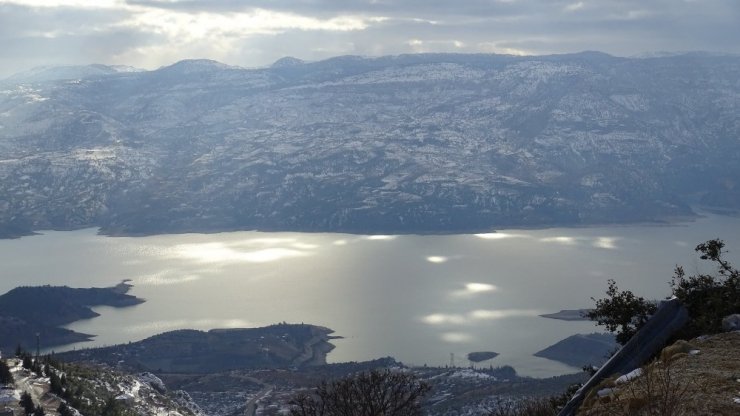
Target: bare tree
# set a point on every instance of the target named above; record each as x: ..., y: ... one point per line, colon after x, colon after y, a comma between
x: 377, y: 393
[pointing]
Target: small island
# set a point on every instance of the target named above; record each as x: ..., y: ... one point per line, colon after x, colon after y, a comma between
x: 581, y: 349
x: 569, y: 315
x: 480, y: 356
x: 36, y: 314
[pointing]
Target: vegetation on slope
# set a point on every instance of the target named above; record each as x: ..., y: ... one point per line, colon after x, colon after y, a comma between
x: 28, y: 312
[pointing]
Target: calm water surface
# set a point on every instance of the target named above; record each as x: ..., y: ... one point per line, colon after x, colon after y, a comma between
x: 416, y: 298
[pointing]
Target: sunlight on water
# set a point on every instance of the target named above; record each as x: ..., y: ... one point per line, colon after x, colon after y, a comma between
x: 202, y: 324
x: 477, y: 315
x: 437, y: 259
x: 381, y: 237
x: 482, y: 314
x: 559, y: 240
x: 167, y: 277
x: 472, y: 289
x: 416, y: 298
x: 222, y: 253
x: 499, y: 236
x: 606, y: 242
x: 456, y: 337
x: 445, y: 319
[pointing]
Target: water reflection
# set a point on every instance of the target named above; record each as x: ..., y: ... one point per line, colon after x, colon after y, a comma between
x: 387, y: 298
x: 224, y: 253
x: 167, y: 277
x: 609, y: 243
x: 167, y: 325
x: 456, y: 337
x: 442, y: 318
x: 569, y: 241
x: 437, y: 259
x: 483, y: 314
x: 381, y: 237
x: 472, y: 289
x: 499, y: 236
x: 477, y: 315
x: 606, y: 242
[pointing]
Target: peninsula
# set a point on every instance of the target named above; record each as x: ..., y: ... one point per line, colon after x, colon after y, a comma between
x: 36, y: 314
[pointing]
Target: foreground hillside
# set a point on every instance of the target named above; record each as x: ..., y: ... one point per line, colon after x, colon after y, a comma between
x: 80, y: 389
x: 695, y: 378
x: 417, y: 143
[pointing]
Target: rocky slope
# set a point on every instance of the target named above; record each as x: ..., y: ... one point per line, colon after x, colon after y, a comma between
x: 413, y: 143
x: 699, y: 377
x: 94, y: 390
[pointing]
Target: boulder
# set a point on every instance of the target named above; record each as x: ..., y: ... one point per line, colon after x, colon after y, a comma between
x: 731, y: 322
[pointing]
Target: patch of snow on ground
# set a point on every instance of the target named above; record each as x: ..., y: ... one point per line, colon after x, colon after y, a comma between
x: 629, y: 376
x: 468, y: 373
x: 605, y: 392
x: 152, y: 380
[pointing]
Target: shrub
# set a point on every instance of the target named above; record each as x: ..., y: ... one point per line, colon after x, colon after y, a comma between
x: 621, y: 312
x: 526, y: 407
x: 387, y: 393
x: 708, y: 298
x: 6, y: 377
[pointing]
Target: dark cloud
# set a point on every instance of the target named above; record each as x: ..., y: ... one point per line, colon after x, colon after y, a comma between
x: 76, y: 35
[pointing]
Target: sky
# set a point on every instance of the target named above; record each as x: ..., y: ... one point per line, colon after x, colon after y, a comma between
x: 252, y: 33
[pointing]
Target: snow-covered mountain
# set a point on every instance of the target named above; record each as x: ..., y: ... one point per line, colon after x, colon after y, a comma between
x: 72, y: 72
x: 410, y: 143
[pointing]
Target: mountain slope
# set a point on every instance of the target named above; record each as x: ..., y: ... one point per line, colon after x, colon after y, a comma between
x: 411, y: 143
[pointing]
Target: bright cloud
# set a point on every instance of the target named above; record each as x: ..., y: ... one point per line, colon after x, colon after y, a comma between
x: 152, y: 33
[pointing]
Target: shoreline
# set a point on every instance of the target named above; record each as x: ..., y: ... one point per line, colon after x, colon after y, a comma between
x: 669, y: 221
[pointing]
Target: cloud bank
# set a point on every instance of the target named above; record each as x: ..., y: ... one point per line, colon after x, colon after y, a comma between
x: 152, y: 33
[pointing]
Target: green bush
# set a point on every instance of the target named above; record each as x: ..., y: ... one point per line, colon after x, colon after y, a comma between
x: 708, y: 298
x: 621, y: 312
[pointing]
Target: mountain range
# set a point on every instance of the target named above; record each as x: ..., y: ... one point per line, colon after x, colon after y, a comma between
x: 430, y: 143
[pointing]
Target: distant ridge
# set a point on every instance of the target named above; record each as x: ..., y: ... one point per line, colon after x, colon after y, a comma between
x: 58, y: 73
x: 287, y: 62
x: 187, y: 66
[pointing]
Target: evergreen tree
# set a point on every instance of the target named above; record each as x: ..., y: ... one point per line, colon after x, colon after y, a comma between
x: 113, y: 408
x: 39, y: 411
x: 55, y: 384
x: 6, y: 377
x: 64, y: 410
x: 27, y: 362
x: 27, y: 403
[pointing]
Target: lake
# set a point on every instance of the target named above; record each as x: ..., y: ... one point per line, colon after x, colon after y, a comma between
x: 416, y: 298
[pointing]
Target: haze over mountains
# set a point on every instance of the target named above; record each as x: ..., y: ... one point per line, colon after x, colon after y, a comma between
x: 411, y: 143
